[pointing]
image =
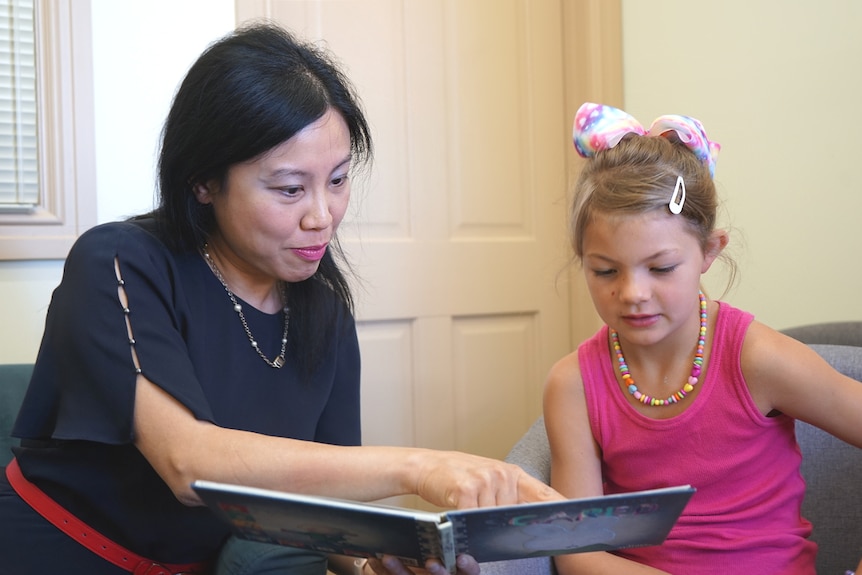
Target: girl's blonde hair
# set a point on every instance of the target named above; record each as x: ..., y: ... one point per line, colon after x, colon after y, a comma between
x: 638, y: 176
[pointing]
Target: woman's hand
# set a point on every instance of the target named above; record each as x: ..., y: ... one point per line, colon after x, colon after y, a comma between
x: 390, y: 565
x: 463, y: 481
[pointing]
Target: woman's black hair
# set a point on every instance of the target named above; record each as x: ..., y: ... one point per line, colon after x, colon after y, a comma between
x: 247, y: 93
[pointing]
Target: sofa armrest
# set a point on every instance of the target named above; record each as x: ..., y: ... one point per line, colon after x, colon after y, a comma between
x: 533, y: 453
x: 14, y: 379
x: 829, y: 333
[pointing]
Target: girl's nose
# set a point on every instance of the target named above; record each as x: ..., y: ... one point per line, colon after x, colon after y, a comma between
x: 634, y: 290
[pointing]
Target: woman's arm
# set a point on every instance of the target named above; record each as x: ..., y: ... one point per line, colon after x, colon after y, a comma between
x: 182, y: 449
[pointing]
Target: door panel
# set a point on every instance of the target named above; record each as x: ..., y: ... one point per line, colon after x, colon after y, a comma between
x: 458, y: 234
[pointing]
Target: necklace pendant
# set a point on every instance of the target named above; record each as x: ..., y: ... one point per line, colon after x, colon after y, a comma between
x: 696, y: 367
x: 278, y: 362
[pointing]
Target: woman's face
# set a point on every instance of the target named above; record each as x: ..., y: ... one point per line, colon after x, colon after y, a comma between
x: 276, y: 214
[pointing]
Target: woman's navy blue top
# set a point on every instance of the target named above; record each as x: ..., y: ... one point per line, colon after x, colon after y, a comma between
x: 76, y: 422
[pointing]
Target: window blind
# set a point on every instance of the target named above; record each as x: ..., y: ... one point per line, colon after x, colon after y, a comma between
x: 19, y: 162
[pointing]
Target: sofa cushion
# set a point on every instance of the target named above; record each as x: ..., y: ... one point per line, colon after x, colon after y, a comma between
x: 830, y: 333
x: 832, y: 469
x: 14, y: 379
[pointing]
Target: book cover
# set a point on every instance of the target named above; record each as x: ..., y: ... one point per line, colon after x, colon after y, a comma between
x: 358, y: 529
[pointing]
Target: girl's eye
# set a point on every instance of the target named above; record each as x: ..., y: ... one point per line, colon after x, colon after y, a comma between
x: 603, y: 273
x: 664, y: 270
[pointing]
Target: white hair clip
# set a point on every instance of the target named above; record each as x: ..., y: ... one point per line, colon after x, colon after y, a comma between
x: 678, y: 198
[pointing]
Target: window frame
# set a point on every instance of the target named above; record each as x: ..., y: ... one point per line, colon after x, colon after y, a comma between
x: 66, y: 136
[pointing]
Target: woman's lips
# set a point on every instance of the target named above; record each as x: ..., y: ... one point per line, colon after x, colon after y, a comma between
x: 310, y: 253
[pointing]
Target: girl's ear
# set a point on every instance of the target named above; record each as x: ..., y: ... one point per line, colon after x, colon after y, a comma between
x: 717, y: 241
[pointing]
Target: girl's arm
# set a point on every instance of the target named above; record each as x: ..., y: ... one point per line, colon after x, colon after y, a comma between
x: 786, y: 375
x: 182, y: 449
x: 576, y: 463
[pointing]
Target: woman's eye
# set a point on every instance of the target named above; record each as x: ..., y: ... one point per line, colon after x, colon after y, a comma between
x: 291, y: 190
x: 338, y: 182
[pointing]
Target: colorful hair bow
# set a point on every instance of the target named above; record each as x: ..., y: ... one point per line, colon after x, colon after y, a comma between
x: 598, y: 127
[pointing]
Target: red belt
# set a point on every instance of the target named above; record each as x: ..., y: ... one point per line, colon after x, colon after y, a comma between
x: 89, y: 537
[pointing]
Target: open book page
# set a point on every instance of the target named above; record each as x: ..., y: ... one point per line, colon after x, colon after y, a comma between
x: 332, y: 525
x: 576, y: 526
x: 488, y: 534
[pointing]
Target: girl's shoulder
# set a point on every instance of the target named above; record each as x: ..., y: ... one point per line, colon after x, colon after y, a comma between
x: 566, y: 366
x: 763, y: 345
x: 567, y: 372
x: 764, y: 351
x: 564, y: 379
x: 779, y: 370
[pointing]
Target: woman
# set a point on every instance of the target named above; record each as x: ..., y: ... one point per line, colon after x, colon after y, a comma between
x: 213, y: 339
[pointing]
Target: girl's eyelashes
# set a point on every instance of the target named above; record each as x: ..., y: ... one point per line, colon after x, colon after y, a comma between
x: 607, y: 272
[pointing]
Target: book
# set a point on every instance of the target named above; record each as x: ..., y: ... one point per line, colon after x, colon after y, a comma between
x: 357, y: 529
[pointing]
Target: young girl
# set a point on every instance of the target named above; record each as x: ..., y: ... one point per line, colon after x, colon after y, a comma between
x: 677, y: 388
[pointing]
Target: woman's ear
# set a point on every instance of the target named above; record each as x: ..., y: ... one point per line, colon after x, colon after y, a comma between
x: 717, y: 241
x: 203, y: 192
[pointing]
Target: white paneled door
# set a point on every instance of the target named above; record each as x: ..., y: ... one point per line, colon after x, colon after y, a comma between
x: 458, y: 234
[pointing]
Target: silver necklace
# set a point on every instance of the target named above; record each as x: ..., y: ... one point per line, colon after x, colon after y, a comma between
x: 278, y: 362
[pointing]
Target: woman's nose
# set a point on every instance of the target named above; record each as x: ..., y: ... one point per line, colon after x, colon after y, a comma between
x: 317, y: 215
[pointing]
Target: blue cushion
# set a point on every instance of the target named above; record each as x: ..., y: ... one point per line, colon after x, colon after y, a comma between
x: 14, y: 379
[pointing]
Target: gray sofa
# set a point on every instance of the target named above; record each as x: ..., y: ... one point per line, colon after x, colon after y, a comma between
x: 14, y: 379
x: 832, y: 468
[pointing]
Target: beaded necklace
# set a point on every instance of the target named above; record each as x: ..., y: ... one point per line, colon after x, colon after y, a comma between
x: 696, y: 367
x: 278, y: 362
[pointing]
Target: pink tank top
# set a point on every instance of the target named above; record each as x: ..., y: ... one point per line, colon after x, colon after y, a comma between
x: 745, y: 515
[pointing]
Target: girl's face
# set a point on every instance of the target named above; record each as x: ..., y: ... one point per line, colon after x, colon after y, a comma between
x: 643, y: 273
x: 276, y: 214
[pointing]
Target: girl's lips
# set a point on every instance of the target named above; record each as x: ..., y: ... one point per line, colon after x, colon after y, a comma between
x: 640, y: 320
x: 310, y: 253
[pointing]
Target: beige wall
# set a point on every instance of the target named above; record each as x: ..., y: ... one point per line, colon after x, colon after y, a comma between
x: 766, y: 77
x: 777, y: 84
x: 136, y: 69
